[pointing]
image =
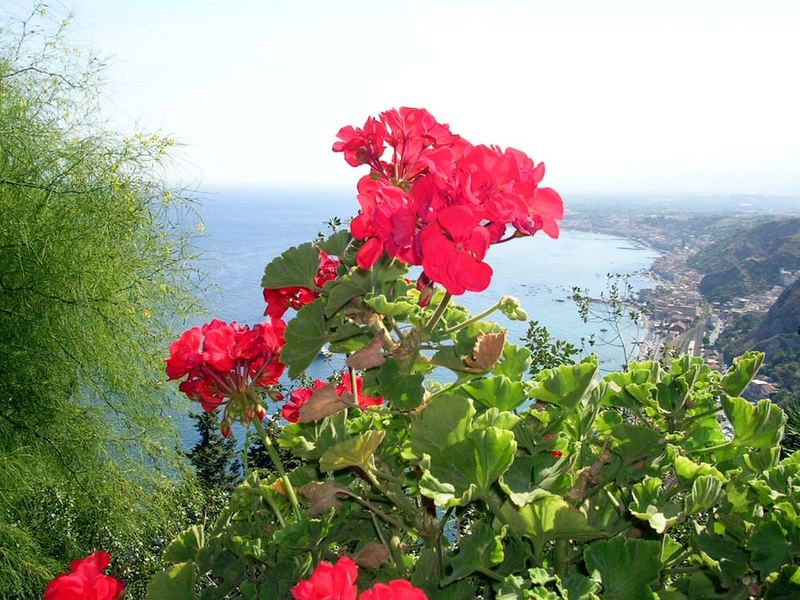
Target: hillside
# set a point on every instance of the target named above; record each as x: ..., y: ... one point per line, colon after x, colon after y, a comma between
x: 777, y: 334
x: 748, y: 261
x: 782, y: 320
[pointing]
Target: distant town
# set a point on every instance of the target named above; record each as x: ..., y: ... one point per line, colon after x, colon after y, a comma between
x: 688, y: 310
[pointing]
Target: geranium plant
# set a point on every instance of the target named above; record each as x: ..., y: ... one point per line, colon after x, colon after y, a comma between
x: 432, y: 458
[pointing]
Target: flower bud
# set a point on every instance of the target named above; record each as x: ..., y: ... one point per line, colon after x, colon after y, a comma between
x: 225, y: 427
x: 511, y: 308
x: 250, y: 414
x: 260, y: 412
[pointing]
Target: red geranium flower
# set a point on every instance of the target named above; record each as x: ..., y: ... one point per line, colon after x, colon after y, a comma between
x: 218, y: 347
x: 229, y: 363
x: 329, y: 582
x: 387, y: 221
x: 184, y: 353
x: 298, y: 397
x: 453, y: 248
x: 438, y: 201
x: 279, y: 300
x: 363, y: 401
x: 86, y: 581
x: 398, y: 589
x: 338, y: 582
x: 544, y: 209
x: 362, y: 146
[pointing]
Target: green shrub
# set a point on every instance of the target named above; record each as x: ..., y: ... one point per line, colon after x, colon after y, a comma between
x: 93, y: 278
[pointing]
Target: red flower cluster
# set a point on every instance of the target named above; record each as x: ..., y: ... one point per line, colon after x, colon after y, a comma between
x: 338, y: 582
x: 224, y: 361
x: 439, y: 201
x: 298, y: 397
x: 279, y: 300
x: 86, y: 581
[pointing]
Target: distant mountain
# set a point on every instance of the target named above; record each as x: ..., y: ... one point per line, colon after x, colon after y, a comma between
x: 776, y: 334
x: 748, y: 261
x: 779, y: 330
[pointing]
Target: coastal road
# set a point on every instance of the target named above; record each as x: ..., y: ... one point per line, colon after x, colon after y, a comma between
x: 692, y: 341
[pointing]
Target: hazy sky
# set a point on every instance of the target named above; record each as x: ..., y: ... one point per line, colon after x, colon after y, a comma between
x: 614, y: 96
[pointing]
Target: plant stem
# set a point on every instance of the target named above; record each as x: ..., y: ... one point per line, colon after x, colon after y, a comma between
x: 245, y: 465
x: 450, y: 387
x: 275, y: 509
x: 439, y: 312
x: 472, y: 320
x: 353, y: 387
x: 702, y: 414
x: 376, y: 511
x: 398, y: 499
x: 276, y: 460
x: 438, y: 541
x: 712, y: 448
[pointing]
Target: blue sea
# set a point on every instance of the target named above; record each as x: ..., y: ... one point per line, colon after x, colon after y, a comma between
x: 245, y: 228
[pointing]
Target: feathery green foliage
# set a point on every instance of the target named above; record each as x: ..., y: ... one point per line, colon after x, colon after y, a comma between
x: 93, y: 271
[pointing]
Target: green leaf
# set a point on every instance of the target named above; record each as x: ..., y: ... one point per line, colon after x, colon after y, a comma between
x: 404, y: 391
x: 641, y: 393
x: 466, y: 470
x: 624, y: 392
x: 580, y: 587
x: 706, y: 491
x: 741, y: 373
x: 358, y: 282
x: 567, y: 385
x: 311, y: 440
x: 496, y: 418
x: 515, y: 362
x: 481, y: 550
x: 497, y: 392
x: 671, y: 550
x: 176, y: 582
x: 548, y: 518
x: 462, y: 589
x: 759, y: 425
x: 634, y: 443
x: 786, y: 586
x: 306, y: 334
x: 723, y: 556
x: 687, y: 469
x: 671, y: 393
x: 398, y: 309
x: 296, y: 267
x: 449, y: 358
x: 650, y: 505
x: 353, y: 452
x: 769, y: 547
x: 343, y: 290
x: 627, y: 568
x: 532, y: 476
x: 185, y: 546
x: 443, y: 422
x: 337, y: 243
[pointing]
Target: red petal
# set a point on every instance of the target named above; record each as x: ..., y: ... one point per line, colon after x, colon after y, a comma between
x: 547, y: 202
x: 369, y: 253
x: 458, y: 221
